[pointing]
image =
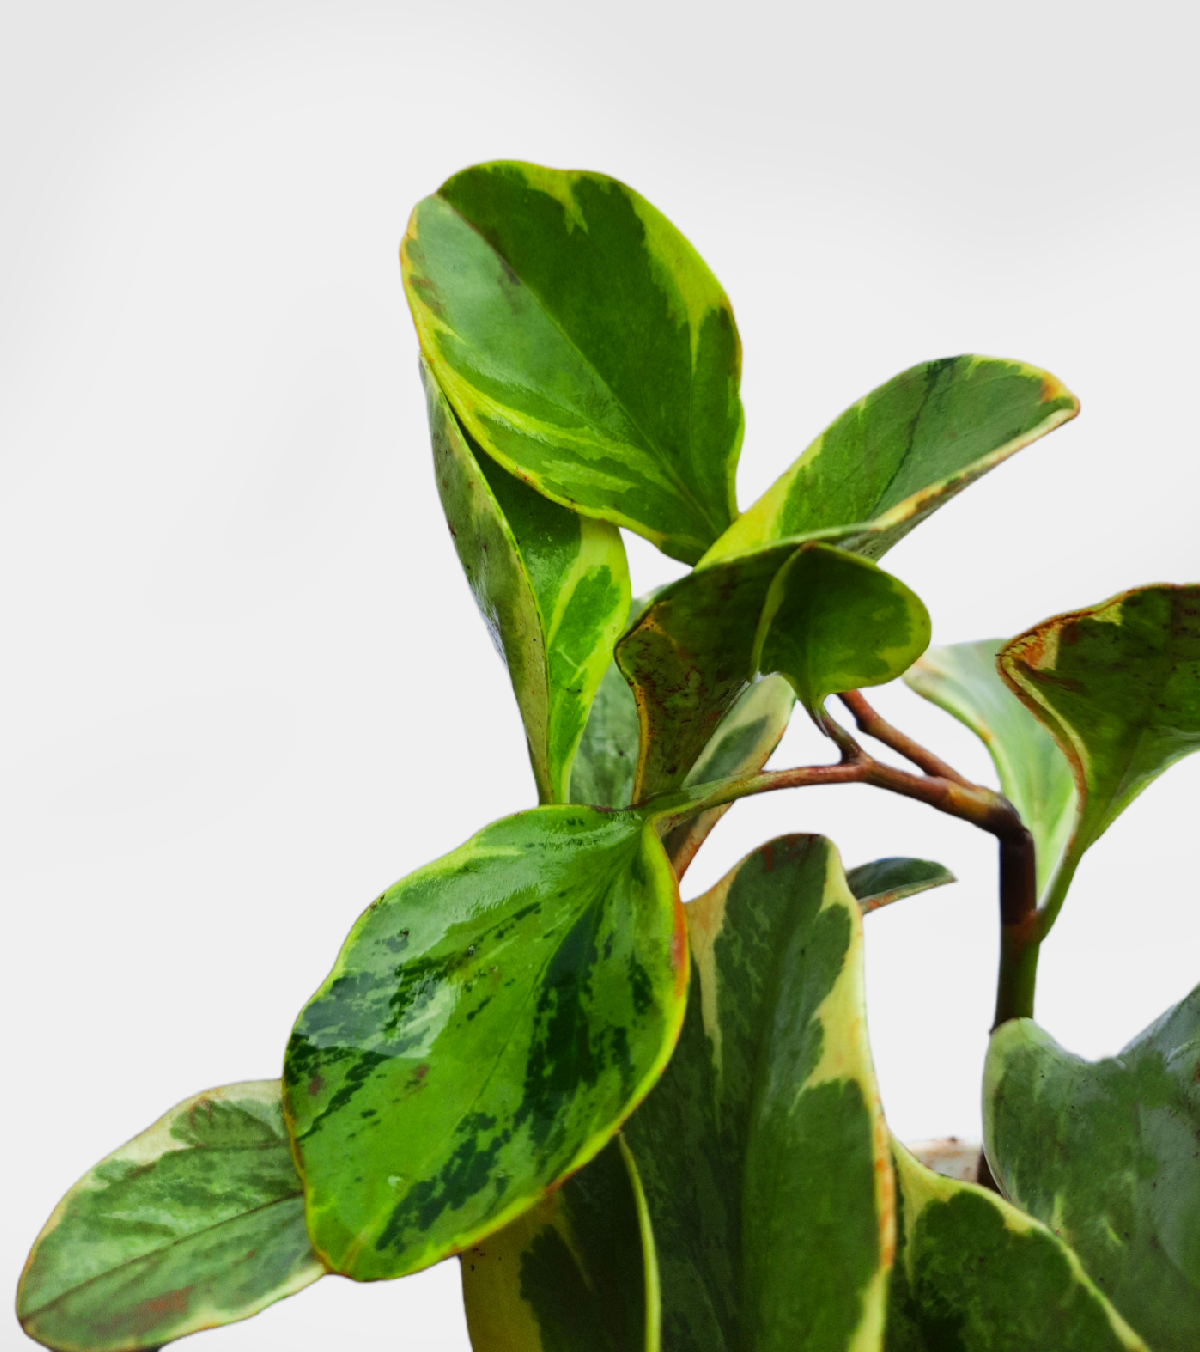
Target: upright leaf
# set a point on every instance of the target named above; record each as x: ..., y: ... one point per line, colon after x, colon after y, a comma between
x: 824, y: 619
x: 553, y: 589
x: 884, y: 881
x: 584, y: 344
x: 1105, y: 1153
x: 199, y: 1221
x: 576, y: 1272
x: 490, y: 1022
x: 1034, y: 775
x: 909, y: 446
x: 1118, y: 687
x: 762, y: 1149
x: 606, y: 763
x: 972, y: 1274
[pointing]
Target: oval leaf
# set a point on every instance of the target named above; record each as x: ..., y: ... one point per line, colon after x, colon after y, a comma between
x: 577, y: 1271
x: 886, y: 880
x: 197, y: 1222
x: 1105, y: 1153
x: 762, y: 1149
x: 974, y: 1274
x: 584, y: 344
x: 488, y: 1025
x: 1034, y: 775
x: 552, y: 586
x: 898, y: 454
x: 1118, y: 687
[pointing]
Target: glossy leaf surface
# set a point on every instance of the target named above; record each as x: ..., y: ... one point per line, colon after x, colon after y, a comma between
x: 973, y: 1274
x: 1105, y: 1152
x: 197, y: 1222
x: 902, y: 451
x: 824, y: 619
x: 584, y: 344
x: 1034, y: 775
x: 552, y: 586
x: 762, y: 1150
x: 884, y: 881
x: 576, y: 1272
x: 1118, y: 686
x: 490, y: 1021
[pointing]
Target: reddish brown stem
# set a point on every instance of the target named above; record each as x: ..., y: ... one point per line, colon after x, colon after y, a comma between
x: 872, y: 724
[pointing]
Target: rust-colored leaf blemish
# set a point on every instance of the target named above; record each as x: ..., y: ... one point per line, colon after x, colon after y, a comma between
x: 315, y: 1085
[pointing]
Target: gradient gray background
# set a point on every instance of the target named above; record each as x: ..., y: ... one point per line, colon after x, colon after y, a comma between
x: 244, y: 687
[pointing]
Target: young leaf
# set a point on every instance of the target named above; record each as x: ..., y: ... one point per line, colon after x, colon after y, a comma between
x: 1105, y: 1153
x: 825, y: 619
x: 606, y: 762
x: 762, y: 1149
x: 197, y: 1222
x: 553, y: 589
x: 1034, y: 775
x: 973, y: 1274
x: 1118, y: 687
x: 490, y: 1022
x: 886, y: 880
x: 584, y: 344
x: 576, y: 1272
x: 897, y: 455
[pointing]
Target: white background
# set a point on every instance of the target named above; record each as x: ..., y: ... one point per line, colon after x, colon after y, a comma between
x: 243, y: 685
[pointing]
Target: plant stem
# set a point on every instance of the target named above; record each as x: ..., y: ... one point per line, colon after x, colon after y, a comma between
x: 1020, y: 931
x: 871, y: 724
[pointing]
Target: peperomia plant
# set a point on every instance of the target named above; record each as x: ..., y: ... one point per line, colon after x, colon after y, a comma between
x: 647, y: 1125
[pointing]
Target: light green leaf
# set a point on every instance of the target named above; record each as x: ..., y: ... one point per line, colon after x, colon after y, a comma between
x: 762, y: 1149
x: 1118, y: 687
x: 1105, y: 1153
x: 972, y: 1274
x: 575, y: 1273
x: 197, y: 1222
x: 1034, y: 775
x: 553, y: 589
x: 603, y: 772
x: 490, y: 1022
x: 886, y: 880
x: 905, y: 449
x: 824, y: 619
x: 584, y: 344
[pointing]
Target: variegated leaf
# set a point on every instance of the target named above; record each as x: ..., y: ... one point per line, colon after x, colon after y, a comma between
x: 762, y: 1149
x: 884, y: 881
x: 490, y: 1022
x: 576, y: 1272
x: 973, y: 1274
x: 1105, y: 1153
x: 552, y: 586
x: 902, y: 451
x: 584, y: 344
x: 197, y: 1222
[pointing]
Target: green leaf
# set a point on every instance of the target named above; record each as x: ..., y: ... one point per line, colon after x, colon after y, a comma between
x: 553, y: 589
x: 825, y: 619
x: 897, y: 455
x: 886, y: 880
x: 197, y: 1222
x: 1105, y: 1153
x: 490, y: 1022
x: 1118, y: 687
x: 1034, y: 775
x: 584, y: 344
x: 607, y: 760
x: 575, y: 1273
x: 762, y: 1149
x: 972, y: 1274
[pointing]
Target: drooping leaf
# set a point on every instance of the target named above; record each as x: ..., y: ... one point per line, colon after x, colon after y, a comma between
x: 972, y: 1274
x: 491, y: 1020
x: 824, y: 619
x: 584, y: 344
x: 762, y: 1149
x: 1118, y: 687
x: 1105, y: 1152
x: 1034, y: 775
x: 883, y: 881
x: 905, y: 449
x: 577, y: 1272
x: 197, y: 1222
x: 552, y: 586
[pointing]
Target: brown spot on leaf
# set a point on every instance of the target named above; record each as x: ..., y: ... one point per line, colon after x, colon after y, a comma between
x: 315, y: 1085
